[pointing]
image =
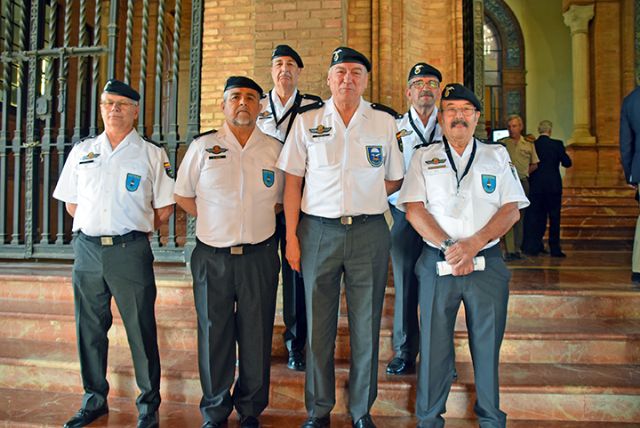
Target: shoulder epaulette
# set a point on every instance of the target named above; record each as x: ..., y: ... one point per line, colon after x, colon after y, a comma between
x: 149, y: 140
x: 311, y: 97
x: 386, y: 109
x: 313, y: 106
x: 202, y: 134
x: 84, y: 138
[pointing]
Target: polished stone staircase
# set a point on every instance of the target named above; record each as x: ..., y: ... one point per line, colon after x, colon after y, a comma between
x: 599, y: 216
x: 570, y: 356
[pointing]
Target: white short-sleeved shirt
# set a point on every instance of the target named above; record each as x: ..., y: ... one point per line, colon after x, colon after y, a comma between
x: 270, y: 104
x: 117, y: 190
x: 236, y: 188
x: 490, y: 183
x: 344, y: 167
x: 410, y: 128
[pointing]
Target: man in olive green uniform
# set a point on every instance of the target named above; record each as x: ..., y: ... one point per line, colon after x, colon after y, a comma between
x: 524, y: 158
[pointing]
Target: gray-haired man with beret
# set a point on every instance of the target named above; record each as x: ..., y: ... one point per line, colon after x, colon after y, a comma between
x: 228, y: 180
x: 280, y: 106
x: 461, y: 196
x: 118, y: 188
x: 346, y: 152
x: 418, y: 127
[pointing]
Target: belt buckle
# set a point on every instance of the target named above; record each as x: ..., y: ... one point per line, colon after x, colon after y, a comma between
x: 236, y: 251
x: 106, y: 240
x: 346, y: 220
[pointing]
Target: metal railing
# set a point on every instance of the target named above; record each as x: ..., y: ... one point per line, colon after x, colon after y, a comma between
x: 47, y: 106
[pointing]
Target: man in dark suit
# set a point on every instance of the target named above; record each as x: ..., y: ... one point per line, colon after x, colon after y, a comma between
x: 545, y: 194
x: 630, y: 157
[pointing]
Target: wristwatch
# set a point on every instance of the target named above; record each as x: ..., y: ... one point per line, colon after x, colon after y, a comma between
x: 446, y: 244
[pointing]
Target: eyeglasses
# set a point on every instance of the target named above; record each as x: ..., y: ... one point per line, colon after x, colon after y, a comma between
x: 420, y: 84
x: 109, y: 104
x: 466, y: 111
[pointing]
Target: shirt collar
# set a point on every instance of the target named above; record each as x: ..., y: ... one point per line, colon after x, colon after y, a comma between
x: 278, y: 104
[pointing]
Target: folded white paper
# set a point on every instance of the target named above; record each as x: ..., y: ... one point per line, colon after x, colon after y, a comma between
x: 443, y: 268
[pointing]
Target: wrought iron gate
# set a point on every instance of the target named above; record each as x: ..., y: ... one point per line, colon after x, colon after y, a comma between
x: 50, y: 84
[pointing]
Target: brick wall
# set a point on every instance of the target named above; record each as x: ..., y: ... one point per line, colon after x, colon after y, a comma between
x: 239, y: 36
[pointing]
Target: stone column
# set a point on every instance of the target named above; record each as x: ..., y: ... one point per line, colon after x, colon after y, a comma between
x: 577, y: 18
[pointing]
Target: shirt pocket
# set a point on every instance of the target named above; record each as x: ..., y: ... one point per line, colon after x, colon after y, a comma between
x: 89, y: 179
x: 321, y: 152
x: 440, y: 185
x: 216, y: 173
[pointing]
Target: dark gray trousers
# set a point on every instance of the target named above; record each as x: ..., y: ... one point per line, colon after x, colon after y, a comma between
x: 293, y: 310
x: 124, y: 271
x: 360, y: 253
x: 406, y: 245
x: 485, y: 295
x: 235, y: 298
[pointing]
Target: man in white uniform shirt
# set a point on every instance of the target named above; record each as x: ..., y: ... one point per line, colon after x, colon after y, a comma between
x: 461, y: 196
x: 346, y: 152
x: 118, y: 188
x: 418, y: 127
x: 279, y: 108
x: 229, y: 181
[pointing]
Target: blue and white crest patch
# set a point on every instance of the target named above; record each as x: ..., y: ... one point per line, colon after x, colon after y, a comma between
x: 374, y: 155
x: 268, y: 177
x: 133, y: 182
x: 489, y: 183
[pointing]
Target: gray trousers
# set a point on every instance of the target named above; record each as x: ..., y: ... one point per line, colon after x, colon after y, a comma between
x: 406, y: 245
x: 124, y: 271
x: 485, y: 295
x: 360, y: 253
x: 235, y: 299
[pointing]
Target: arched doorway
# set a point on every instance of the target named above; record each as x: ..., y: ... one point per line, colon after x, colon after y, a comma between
x: 504, y: 72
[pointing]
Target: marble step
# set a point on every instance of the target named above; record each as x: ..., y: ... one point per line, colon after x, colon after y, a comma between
x: 599, y: 191
x: 541, y: 340
x: 615, y: 202
x: 30, y: 409
x: 587, y: 284
x: 602, y: 221
x: 600, y: 211
x: 596, y: 231
x: 578, y: 392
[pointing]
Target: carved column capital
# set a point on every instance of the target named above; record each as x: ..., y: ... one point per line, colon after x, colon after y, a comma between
x: 577, y: 18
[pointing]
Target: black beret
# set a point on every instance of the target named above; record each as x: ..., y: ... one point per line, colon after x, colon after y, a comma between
x: 117, y: 87
x: 242, y: 82
x: 344, y: 54
x: 455, y: 91
x: 424, y: 69
x: 286, y: 50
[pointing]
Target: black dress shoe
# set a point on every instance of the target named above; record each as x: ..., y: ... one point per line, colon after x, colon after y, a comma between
x: 148, y: 420
x: 558, y: 253
x: 635, y: 278
x: 314, y: 422
x: 296, y: 361
x: 400, y: 366
x: 85, y: 417
x: 209, y: 424
x: 249, y: 422
x: 364, y: 422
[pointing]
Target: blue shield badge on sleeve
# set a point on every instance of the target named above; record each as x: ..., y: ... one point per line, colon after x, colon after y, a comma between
x: 133, y: 181
x: 268, y: 177
x: 374, y: 155
x: 489, y: 183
